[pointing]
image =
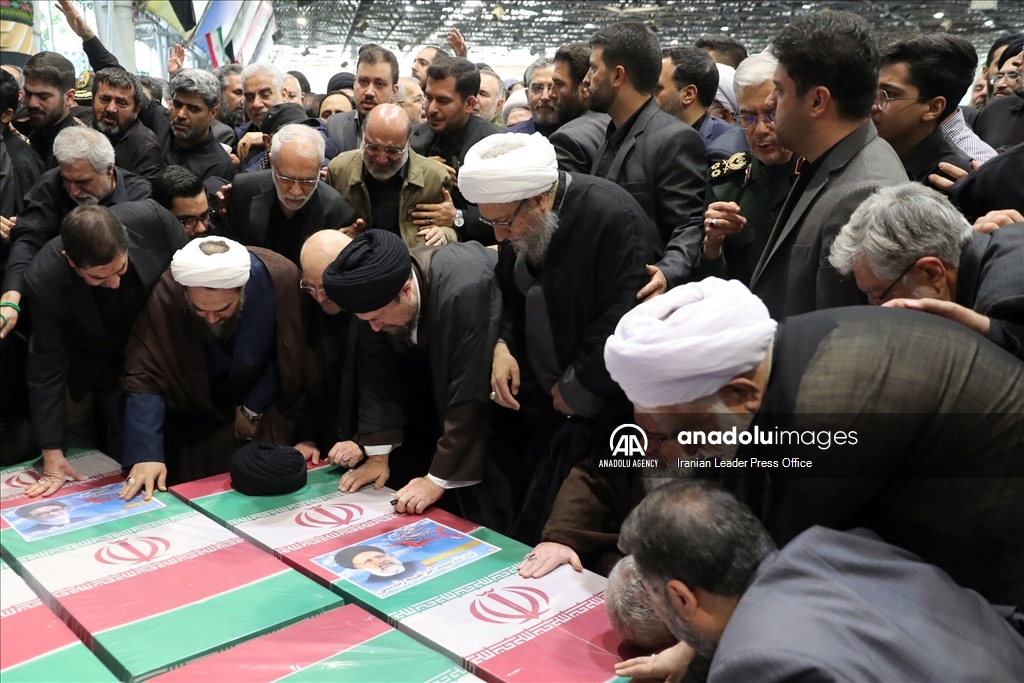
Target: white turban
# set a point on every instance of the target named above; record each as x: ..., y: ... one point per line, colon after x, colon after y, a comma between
x: 524, y: 167
x: 689, y: 342
x: 517, y: 100
x: 726, y: 94
x: 190, y: 267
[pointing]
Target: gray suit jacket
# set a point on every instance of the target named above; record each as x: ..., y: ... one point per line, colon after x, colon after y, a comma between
x: 576, y: 142
x: 794, y: 275
x: 343, y: 128
x: 662, y: 163
x: 844, y: 606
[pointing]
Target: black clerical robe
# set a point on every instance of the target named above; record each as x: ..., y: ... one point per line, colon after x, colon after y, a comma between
x: 449, y: 361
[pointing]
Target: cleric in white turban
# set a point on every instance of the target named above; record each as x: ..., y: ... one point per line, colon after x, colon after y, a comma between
x: 578, y: 255
x: 216, y: 358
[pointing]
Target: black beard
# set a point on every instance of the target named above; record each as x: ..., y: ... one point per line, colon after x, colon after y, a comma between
x: 223, y: 330
x: 112, y: 130
x: 231, y: 117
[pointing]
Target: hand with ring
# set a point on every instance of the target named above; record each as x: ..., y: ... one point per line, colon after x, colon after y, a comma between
x: 547, y: 557
x: 721, y: 219
x: 434, y: 236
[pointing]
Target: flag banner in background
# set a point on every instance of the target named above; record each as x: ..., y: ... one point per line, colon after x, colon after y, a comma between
x: 37, y: 646
x: 215, y: 48
x: 447, y: 582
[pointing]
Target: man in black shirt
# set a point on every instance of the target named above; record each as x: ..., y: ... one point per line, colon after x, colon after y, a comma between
x: 451, y: 129
x: 279, y: 208
x: 920, y: 83
x: 85, y: 175
x: 49, y: 96
x: 85, y: 288
x: 116, y: 102
x: 181, y: 192
x: 195, y: 95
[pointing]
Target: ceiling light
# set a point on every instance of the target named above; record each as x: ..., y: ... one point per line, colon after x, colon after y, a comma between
x: 409, y: 8
x: 938, y: 15
x: 725, y: 28
x: 301, y: 21
x: 989, y: 23
x: 590, y: 27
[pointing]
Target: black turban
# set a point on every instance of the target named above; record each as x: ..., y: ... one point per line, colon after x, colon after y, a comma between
x: 341, y: 81
x: 344, y: 558
x: 369, y: 273
x: 1011, y: 51
x: 25, y: 510
x: 266, y: 469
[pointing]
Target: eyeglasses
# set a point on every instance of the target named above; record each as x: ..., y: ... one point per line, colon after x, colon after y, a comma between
x: 190, y: 222
x: 881, y: 299
x: 393, y: 152
x: 1011, y: 77
x: 750, y: 120
x: 310, y: 289
x: 304, y: 183
x: 882, y: 99
x: 538, y: 88
x: 503, y: 224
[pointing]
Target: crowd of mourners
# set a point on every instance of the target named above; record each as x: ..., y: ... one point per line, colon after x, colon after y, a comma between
x: 466, y: 289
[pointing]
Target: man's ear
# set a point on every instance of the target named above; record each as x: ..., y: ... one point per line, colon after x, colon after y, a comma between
x: 681, y: 600
x: 741, y: 394
x: 934, y: 270
x: 266, y: 142
x: 7, y: 116
x: 69, y: 98
x: 618, y: 76
x: 394, y: 92
x: 65, y: 255
x: 820, y: 97
x: 687, y: 95
x: 214, y: 111
x: 936, y: 106
x: 471, y: 103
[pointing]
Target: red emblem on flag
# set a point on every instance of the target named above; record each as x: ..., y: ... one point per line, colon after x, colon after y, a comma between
x: 22, y: 480
x: 511, y: 605
x: 332, y: 515
x: 133, y: 550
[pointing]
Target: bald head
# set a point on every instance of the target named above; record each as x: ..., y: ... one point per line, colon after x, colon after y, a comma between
x: 387, y: 128
x: 318, y: 252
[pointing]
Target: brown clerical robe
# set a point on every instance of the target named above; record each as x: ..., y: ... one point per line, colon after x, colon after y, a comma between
x: 165, y: 356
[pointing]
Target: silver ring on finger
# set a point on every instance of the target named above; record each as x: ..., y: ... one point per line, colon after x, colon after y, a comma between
x: 431, y: 221
x: 713, y: 223
x: 130, y: 480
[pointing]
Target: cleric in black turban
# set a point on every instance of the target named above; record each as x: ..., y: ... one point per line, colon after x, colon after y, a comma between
x: 369, y: 273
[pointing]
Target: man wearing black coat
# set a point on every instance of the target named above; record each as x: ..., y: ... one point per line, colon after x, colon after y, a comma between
x: 85, y: 288
x: 279, y: 208
x: 451, y: 129
x: 658, y: 159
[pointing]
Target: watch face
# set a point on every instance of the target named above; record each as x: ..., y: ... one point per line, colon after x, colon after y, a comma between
x: 459, y: 220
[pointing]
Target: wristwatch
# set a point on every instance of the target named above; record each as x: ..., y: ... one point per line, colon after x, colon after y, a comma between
x: 459, y: 219
x: 251, y: 416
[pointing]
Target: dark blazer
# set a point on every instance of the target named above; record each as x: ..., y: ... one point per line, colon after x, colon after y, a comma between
x: 1001, y: 122
x: 343, y: 128
x: 663, y: 164
x: 794, y: 275
x: 576, y: 142
x: 713, y: 127
x: 70, y: 347
x: 991, y: 281
x: 476, y: 129
x: 845, y: 606
x: 985, y: 188
x: 253, y: 196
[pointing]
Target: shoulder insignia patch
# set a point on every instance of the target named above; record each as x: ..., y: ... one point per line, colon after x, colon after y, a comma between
x: 737, y: 162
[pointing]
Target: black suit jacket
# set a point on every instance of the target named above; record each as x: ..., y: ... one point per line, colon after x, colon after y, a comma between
x: 70, y: 347
x: 424, y: 141
x: 343, y: 128
x: 576, y: 142
x: 253, y: 196
x: 991, y: 281
x: 663, y: 164
x: 794, y: 275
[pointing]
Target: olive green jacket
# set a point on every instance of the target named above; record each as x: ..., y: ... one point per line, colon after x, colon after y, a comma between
x: 423, y: 184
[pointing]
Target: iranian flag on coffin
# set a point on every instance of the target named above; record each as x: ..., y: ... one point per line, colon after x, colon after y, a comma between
x: 37, y: 646
x: 442, y: 579
x: 345, y: 644
x: 149, y: 586
x: 96, y: 467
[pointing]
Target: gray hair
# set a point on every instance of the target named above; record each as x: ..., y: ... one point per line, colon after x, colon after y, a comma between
x: 226, y: 72
x: 297, y: 133
x: 76, y: 143
x: 753, y: 71
x: 898, y: 225
x: 629, y: 611
x: 202, y: 84
x: 502, y: 88
x: 542, y: 63
x: 264, y: 69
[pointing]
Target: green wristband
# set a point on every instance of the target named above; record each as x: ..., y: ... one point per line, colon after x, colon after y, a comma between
x: 10, y: 304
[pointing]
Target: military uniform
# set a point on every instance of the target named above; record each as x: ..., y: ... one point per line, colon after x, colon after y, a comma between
x: 760, y: 191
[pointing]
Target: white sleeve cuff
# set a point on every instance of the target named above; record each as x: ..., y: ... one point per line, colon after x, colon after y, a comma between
x: 378, y: 450
x: 445, y: 484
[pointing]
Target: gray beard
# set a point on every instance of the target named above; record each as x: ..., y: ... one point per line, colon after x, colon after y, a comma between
x: 383, y: 176
x: 111, y: 130
x: 233, y: 118
x: 533, y: 245
x: 684, y: 632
